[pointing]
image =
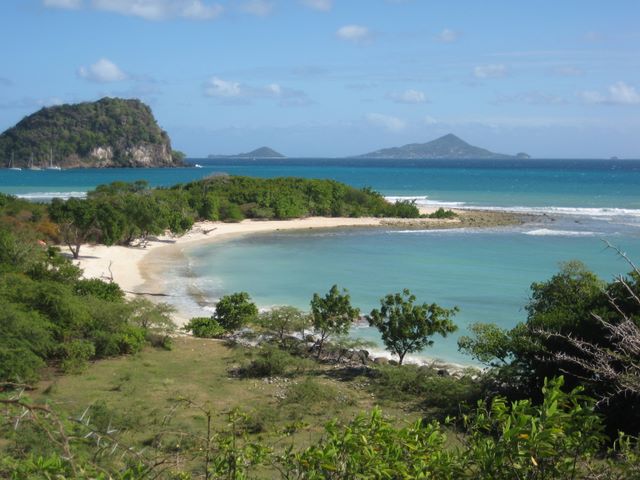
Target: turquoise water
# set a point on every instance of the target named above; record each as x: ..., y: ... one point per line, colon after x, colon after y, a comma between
x: 485, y: 273
x: 541, y: 183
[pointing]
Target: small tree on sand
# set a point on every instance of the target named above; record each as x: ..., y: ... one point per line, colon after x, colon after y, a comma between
x: 406, y: 327
x: 332, y: 314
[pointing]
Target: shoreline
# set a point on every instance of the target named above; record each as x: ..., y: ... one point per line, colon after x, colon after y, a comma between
x: 141, y: 270
x: 135, y: 268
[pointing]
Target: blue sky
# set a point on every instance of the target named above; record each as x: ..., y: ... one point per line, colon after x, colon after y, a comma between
x: 339, y: 77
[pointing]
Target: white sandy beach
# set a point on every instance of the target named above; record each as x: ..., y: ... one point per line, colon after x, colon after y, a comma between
x: 123, y: 265
x: 136, y: 268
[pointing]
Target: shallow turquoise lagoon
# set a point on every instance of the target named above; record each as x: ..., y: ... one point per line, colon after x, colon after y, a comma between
x: 486, y: 274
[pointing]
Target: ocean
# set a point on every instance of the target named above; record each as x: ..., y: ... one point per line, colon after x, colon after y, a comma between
x: 486, y: 273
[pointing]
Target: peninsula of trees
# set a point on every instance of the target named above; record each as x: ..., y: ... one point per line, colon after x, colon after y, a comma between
x: 262, y: 152
x: 110, y: 132
x: 446, y: 147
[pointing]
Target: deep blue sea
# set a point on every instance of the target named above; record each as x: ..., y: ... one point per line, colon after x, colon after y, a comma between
x: 487, y: 273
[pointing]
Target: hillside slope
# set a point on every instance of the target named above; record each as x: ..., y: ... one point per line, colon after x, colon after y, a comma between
x: 111, y: 132
x: 447, y: 146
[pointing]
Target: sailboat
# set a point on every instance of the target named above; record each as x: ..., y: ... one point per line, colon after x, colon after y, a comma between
x: 51, y: 165
x: 31, y: 165
x: 11, y: 167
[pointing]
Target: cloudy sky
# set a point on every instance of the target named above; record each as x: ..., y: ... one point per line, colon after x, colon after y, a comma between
x: 339, y: 77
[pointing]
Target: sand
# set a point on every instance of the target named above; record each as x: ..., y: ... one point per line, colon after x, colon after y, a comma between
x: 140, y: 270
x: 137, y: 269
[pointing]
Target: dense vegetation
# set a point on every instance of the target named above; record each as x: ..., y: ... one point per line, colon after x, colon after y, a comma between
x: 580, y: 326
x: 111, y: 132
x: 123, y: 213
x: 519, y: 419
x: 50, y: 315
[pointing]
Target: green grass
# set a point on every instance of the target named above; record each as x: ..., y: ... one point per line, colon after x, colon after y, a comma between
x: 139, y: 394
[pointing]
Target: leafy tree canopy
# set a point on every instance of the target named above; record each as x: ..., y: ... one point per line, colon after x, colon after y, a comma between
x: 407, y: 327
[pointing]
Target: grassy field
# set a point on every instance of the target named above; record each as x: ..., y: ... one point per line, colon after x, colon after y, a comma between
x: 158, y: 391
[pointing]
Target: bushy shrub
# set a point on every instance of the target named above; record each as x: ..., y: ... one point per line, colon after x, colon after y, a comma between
x: 438, y: 395
x: 402, y: 209
x: 443, y: 214
x: 19, y: 363
x: 103, y: 290
x: 269, y: 362
x: 76, y: 355
x: 230, y: 212
x: 204, y: 327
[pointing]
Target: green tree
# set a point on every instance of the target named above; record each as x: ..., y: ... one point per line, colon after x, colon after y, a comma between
x: 204, y: 327
x: 235, y: 310
x: 155, y: 319
x: 77, y: 221
x: 406, y: 327
x: 332, y: 314
x: 283, y: 321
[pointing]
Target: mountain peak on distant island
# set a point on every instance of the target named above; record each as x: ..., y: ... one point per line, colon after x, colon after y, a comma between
x: 447, y: 146
x: 262, y: 152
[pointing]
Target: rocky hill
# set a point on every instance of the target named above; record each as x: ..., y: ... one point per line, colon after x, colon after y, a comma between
x: 111, y: 132
x: 448, y: 146
x: 262, y: 152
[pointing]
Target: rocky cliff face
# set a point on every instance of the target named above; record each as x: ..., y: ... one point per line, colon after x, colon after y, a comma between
x: 108, y: 133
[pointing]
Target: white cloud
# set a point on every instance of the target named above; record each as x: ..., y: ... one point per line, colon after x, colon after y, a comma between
x: 622, y: 93
x: 236, y: 92
x: 388, y: 122
x: 161, y: 9
x: 216, y: 87
x: 408, y: 96
x: 67, y: 4
x: 103, y: 71
x: 354, y: 33
x: 321, y: 5
x: 196, y: 10
x: 617, y: 94
x: 259, y: 8
x: 495, y: 70
x: 448, y: 36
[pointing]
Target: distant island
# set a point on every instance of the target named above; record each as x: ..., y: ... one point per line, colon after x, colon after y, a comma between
x: 447, y: 147
x: 110, y: 132
x: 262, y: 152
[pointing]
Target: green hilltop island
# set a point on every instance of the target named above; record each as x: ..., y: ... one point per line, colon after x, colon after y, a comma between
x: 111, y: 132
x: 447, y: 147
x: 262, y: 152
